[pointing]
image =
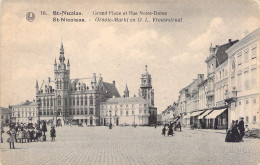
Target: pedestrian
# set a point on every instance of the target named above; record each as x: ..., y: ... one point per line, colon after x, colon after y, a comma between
x: 20, y: 135
x: 170, y: 130
x: 179, y: 125
x: 164, y: 130
x: 26, y: 134
x: 241, y: 128
x: 31, y: 133
x: 2, y: 131
x: 44, y: 127
x: 235, y: 132
x: 38, y: 133
x: 53, y: 133
x: 229, y: 136
x: 11, y: 138
x: 16, y: 135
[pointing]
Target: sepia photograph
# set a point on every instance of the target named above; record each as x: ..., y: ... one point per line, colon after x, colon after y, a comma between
x: 123, y: 82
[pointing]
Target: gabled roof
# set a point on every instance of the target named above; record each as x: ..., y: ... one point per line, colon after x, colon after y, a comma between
x: 125, y: 100
x: 221, y: 55
x: 27, y: 103
x: 5, y: 110
x: 111, y: 89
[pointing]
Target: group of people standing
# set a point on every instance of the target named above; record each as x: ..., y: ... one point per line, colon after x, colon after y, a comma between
x: 27, y: 133
x: 170, y: 128
x: 236, y: 131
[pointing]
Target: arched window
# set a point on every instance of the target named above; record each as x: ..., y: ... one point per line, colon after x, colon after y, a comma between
x: 59, y: 100
x: 47, y: 101
x: 86, y: 100
x: 51, y: 102
x: 77, y: 100
x: 81, y: 100
x: 91, y: 100
x: 44, y: 103
x: 58, y: 86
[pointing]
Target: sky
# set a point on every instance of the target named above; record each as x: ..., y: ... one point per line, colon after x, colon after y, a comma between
x: 174, y: 52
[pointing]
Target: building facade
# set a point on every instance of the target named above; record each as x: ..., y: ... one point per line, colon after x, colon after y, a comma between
x: 125, y: 111
x: 191, y: 102
x: 131, y: 110
x: 243, y: 95
x: 203, y: 88
x: 25, y: 112
x: 5, y: 116
x: 64, y: 99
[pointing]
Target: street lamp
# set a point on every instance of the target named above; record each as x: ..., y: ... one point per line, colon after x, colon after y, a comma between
x: 134, y: 121
x: 38, y: 107
x: 110, y: 125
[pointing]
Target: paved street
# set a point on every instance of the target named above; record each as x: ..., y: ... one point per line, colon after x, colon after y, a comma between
x: 128, y: 145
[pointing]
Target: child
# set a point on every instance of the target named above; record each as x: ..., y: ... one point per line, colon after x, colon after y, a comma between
x: 53, y: 133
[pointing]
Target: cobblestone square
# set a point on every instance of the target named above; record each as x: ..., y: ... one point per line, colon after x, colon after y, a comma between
x: 128, y: 145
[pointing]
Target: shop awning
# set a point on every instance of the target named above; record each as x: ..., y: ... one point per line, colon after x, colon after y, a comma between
x: 205, y: 114
x: 187, y: 116
x: 215, y: 113
x: 196, y: 113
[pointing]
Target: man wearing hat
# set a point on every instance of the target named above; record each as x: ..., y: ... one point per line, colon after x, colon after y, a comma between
x: 241, y: 127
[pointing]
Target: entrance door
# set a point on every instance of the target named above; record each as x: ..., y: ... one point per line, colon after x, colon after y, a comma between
x: 104, y: 121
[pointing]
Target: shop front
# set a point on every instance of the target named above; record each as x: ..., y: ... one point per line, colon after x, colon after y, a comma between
x: 194, y: 122
x: 218, y: 119
x: 202, y: 120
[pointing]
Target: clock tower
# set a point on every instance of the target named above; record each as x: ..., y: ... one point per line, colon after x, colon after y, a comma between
x: 62, y: 81
x: 146, y: 91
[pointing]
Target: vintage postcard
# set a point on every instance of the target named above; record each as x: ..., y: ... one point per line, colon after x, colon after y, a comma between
x: 116, y: 82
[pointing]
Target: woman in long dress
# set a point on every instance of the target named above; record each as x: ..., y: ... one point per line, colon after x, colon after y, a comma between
x: 11, y: 138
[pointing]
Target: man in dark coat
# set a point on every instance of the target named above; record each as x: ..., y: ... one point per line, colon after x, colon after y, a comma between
x: 241, y: 127
x: 44, y: 127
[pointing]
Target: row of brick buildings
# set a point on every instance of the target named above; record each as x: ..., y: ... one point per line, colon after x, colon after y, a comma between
x: 229, y: 91
x: 90, y: 100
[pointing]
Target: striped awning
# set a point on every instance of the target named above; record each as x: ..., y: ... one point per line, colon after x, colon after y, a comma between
x: 187, y: 116
x: 205, y: 114
x: 196, y: 113
x: 215, y: 113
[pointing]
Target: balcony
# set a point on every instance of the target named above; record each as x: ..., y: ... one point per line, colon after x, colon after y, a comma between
x: 210, y: 93
x: 231, y: 96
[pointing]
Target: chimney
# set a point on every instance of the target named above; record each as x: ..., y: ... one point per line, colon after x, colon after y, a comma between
x: 230, y: 42
x: 114, y: 97
x: 114, y: 82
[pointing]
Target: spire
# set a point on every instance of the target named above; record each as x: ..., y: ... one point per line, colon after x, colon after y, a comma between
x: 211, y: 49
x: 126, y: 91
x: 146, y: 72
x: 62, y: 58
x: 68, y: 64
x: 126, y: 87
x: 100, y: 77
x: 61, y: 47
x: 55, y: 65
